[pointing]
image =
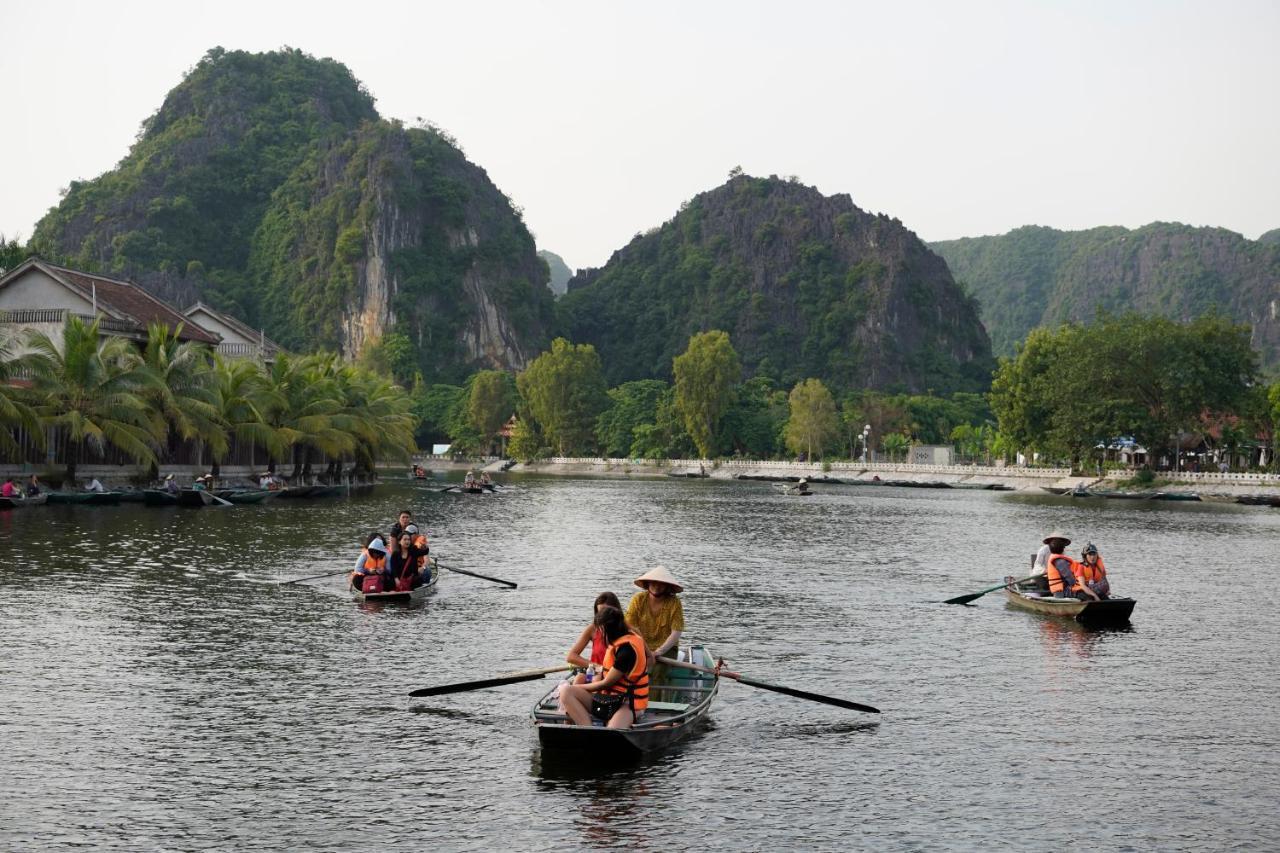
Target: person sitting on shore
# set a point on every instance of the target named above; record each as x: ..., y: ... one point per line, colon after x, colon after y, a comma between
x: 1094, y: 572
x: 371, y: 573
x: 621, y: 696
x: 593, y: 635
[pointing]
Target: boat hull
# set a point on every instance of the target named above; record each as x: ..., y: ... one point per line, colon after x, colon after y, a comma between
x: 97, y: 498
x: 675, y: 711
x: 159, y: 497
x: 24, y: 503
x: 194, y: 498
x: 249, y: 496
x: 416, y: 596
x: 1111, y: 611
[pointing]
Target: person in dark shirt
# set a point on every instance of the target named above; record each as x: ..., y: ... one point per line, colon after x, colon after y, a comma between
x: 405, y: 519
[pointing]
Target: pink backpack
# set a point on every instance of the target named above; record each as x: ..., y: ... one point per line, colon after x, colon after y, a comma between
x: 371, y: 583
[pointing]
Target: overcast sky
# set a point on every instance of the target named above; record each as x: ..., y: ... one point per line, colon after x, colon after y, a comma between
x: 600, y: 118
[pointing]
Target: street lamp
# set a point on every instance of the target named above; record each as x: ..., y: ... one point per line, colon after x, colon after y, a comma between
x: 866, y: 433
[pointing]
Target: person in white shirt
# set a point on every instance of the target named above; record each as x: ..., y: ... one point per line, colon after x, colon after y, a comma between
x: 95, y: 485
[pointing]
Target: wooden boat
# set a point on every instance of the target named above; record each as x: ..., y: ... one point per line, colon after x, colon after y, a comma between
x: 23, y: 503
x: 416, y: 596
x: 132, y: 496
x: 93, y: 498
x: 1056, y: 490
x: 194, y: 498
x: 327, y: 491
x: 297, y: 492
x: 246, y: 496
x: 159, y: 497
x: 1175, y: 496
x: 1259, y: 500
x: 675, y: 709
x: 1112, y: 611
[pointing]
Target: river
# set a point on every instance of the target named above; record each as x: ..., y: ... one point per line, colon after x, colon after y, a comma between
x: 162, y: 692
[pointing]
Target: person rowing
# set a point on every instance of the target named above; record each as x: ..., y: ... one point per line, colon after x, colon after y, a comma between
x: 621, y: 696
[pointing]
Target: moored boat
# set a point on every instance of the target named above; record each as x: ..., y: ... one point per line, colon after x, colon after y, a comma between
x: 676, y: 709
x: 194, y: 498
x: 159, y: 497
x: 98, y: 498
x: 131, y: 496
x: 1111, y: 611
x: 294, y: 492
x: 248, y: 496
x: 24, y: 502
x: 392, y: 597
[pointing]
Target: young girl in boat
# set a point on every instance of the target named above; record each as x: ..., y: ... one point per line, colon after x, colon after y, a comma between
x: 408, y: 562
x: 622, y: 694
x: 593, y: 635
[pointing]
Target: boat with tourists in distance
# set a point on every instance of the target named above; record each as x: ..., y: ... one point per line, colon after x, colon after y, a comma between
x: 415, y: 596
x: 19, y: 502
x: 1097, y: 614
x: 676, y: 709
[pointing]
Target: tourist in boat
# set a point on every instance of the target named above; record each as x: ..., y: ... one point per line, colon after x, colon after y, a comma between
x: 485, y: 479
x: 264, y: 482
x: 371, y: 573
x: 198, y: 484
x: 403, y: 520
x: 9, y: 490
x: 655, y: 612
x: 171, y: 485
x: 621, y: 695
x: 593, y: 635
x: 33, y: 486
x: 1040, y: 562
x: 1094, y: 572
x: 407, y: 562
x: 1063, y: 573
x: 95, y: 485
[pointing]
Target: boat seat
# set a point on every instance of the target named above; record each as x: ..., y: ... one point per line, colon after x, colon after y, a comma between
x: 674, y: 707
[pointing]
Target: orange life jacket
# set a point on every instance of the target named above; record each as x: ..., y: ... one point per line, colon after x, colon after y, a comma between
x: 420, y: 542
x: 1092, y: 574
x: 634, y: 684
x: 372, y: 564
x: 1055, y: 578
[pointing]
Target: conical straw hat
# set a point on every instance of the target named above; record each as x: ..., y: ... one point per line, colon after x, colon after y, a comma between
x: 661, y: 575
x: 1057, y: 534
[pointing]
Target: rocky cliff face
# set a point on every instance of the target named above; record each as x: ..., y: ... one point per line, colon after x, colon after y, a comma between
x: 559, y: 272
x: 394, y: 232
x: 266, y: 184
x: 805, y: 285
x: 1033, y: 276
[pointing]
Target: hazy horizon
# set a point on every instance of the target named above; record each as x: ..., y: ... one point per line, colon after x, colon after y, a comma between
x: 599, y: 121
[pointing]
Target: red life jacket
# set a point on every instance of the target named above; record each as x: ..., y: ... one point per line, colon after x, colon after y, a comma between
x: 634, y: 684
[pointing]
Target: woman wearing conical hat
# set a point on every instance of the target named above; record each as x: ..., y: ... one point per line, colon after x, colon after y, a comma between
x: 655, y: 612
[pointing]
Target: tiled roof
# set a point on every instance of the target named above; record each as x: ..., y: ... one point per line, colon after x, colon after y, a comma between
x: 132, y: 301
x: 243, y: 328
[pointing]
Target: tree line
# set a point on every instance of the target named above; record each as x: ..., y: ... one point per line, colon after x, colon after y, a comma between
x: 565, y: 408
x: 103, y: 393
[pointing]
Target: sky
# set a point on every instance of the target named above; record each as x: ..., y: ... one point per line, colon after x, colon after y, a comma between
x: 599, y: 119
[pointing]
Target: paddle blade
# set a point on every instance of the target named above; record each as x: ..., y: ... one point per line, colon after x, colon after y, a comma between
x: 965, y: 599
x: 812, y: 697
x: 464, y: 686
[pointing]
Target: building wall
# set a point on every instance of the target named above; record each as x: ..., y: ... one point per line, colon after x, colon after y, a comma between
x: 209, y: 323
x: 929, y: 454
x: 35, y: 289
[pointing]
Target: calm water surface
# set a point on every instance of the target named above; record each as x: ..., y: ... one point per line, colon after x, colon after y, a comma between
x: 160, y: 692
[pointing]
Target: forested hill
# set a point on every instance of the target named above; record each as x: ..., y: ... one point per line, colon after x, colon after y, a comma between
x: 268, y: 185
x: 1040, y: 276
x: 560, y: 272
x: 806, y: 286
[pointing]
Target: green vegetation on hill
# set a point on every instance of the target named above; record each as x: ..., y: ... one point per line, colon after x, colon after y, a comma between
x: 806, y: 286
x: 1036, y: 276
x: 558, y: 270
x: 187, y: 198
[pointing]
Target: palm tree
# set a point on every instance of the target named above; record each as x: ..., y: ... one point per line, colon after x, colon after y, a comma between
x: 95, y: 388
x: 14, y: 408
x: 243, y: 399
x: 377, y: 414
x: 895, y: 443
x: 183, y: 395
x: 308, y: 410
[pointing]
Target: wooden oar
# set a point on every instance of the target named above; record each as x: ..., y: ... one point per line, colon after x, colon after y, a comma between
x: 965, y: 599
x: 447, y: 489
x: 477, y: 575
x: 316, y: 577
x: 776, y: 688
x: 222, y: 501
x: 463, y: 686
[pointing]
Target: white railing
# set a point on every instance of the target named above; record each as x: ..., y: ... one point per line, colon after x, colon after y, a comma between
x: 1241, y: 478
x: 709, y: 464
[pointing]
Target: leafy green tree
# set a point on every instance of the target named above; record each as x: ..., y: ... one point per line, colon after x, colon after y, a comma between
x: 12, y: 253
x: 705, y: 377
x: 490, y: 403
x: 15, y: 407
x: 95, y: 389
x: 565, y: 392
x: 183, y: 397
x: 241, y: 397
x: 527, y: 442
x: 666, y: 437
x: 754, y: 423
x: 896, y: 444
x: 814, y: 423
x: 308, y: 415
x: 437, y: 408
x: 632, y: 404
